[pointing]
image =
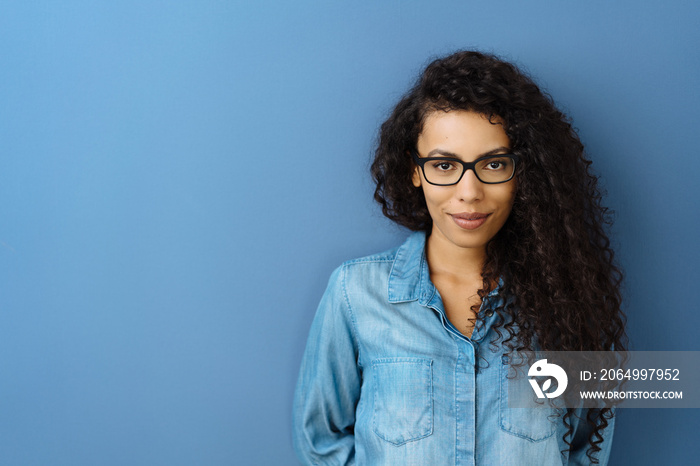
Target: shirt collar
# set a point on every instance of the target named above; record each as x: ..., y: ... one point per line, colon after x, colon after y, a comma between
x: 409, y: 279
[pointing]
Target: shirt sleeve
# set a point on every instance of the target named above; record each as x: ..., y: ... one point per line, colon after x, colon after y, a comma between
x: 329, y: 382
x: 580, y: 444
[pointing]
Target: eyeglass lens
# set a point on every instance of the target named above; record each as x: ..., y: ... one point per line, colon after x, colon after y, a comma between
x: 490, y: 170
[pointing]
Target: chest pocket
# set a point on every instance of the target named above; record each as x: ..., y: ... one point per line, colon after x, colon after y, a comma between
x: 403, y: 399
x: 533, y: 424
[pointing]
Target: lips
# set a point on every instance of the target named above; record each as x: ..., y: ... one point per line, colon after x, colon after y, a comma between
x: 470, y: 215
x: 469, y: 220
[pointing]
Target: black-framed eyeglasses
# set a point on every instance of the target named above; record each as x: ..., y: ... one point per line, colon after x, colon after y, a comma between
x: 446, y: 171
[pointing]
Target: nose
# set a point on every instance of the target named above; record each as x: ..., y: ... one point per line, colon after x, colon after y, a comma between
x: 469, y: 188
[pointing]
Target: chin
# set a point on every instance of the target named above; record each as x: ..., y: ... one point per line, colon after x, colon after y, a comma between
x: 461, y: 241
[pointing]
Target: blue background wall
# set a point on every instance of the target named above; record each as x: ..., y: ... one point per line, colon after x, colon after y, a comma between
x: 178, y: 180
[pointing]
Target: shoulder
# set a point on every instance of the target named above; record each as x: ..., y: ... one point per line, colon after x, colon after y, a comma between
x: 399, y: 268
x: 411, y: 246
x: 361, y: 267
x: 382, y: 257
x: 366, y: 272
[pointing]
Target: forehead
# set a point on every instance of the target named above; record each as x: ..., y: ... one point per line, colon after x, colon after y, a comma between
x: 461, y: 132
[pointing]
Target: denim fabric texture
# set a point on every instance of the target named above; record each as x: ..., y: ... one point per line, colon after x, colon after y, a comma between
x: 386, y: 379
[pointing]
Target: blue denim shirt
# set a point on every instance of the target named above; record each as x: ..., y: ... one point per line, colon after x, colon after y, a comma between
x: 386, y: 379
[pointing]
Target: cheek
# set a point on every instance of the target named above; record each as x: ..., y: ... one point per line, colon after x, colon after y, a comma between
x: 434, y: 197
x: 506, y: 197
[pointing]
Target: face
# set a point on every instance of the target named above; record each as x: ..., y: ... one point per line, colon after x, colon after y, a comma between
x: 470, y: 213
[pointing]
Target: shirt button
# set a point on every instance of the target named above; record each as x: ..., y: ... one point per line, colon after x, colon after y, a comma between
x: 488, y: 313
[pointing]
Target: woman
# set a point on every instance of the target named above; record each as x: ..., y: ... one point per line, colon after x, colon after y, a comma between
x: 408, y: 356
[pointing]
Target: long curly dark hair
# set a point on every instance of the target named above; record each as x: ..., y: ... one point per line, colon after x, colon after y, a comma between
x: 553, y: 252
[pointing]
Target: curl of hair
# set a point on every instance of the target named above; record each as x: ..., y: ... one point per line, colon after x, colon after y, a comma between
x: 553, y: 252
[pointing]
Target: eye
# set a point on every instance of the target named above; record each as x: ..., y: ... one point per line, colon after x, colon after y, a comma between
x: 443, y: 165
x: 496, y: 164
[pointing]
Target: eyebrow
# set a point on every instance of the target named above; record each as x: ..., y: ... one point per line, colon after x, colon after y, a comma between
x: 444, y: 153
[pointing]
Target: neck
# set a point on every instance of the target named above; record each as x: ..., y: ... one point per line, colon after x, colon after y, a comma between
x: 446, y: 258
